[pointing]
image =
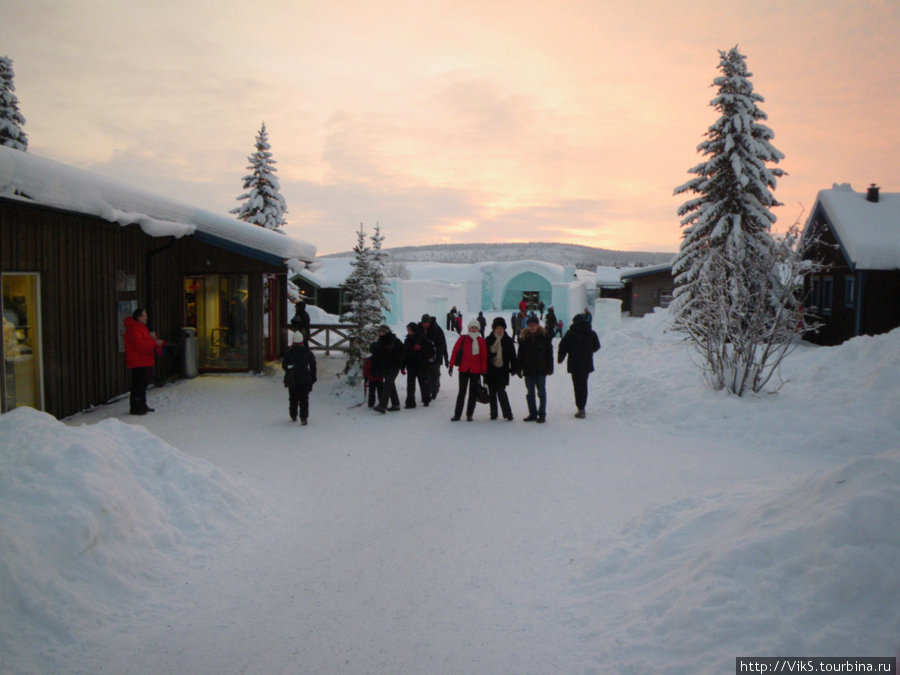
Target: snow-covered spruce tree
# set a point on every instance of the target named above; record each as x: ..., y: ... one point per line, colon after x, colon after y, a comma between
x: 366, y: 305
x: 11, y: 120
x: 380, y: 269
x: 263, y: 204
x: 735, y: 285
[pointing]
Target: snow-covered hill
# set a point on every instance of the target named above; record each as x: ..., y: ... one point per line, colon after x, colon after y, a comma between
x: 583, y: 257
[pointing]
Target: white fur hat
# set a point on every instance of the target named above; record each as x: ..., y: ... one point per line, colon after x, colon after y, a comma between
x: 296, y: 336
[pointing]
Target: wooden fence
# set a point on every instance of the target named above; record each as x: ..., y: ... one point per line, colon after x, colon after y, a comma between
x: 336, y: 337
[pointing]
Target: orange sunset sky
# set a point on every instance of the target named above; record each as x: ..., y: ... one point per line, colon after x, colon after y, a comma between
x: 454, y: 122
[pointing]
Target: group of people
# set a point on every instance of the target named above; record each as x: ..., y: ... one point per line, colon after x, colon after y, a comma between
x: 481, y: 363
x: 419, y: 357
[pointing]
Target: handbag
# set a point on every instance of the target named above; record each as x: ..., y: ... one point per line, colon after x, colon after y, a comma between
x: 483, y: 395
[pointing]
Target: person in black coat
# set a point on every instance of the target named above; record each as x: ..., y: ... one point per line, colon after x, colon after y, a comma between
x: 550, y: 324
x: 418, y: 355
x: 387, y: 357
x: 300, y: 320
x: 535, y: 357
x: 501, y: 362
x: 579, y: 344
x: 299, y: 366
x: 434, y: 333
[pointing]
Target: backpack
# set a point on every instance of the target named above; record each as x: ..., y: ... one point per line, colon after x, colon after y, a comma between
x: 367, y: 371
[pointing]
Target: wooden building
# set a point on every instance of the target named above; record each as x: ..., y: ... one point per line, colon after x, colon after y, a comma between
x: 858, y: 291
x: 78, y: 253
x: 648, y: 288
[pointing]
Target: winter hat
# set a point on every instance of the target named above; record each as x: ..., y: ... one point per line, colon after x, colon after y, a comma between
x: 413, y: 326
x: 426, y: 318
x: 383, y: 330
x: 499, y: 321
x: 578, y: 318
x: 532, y: 319
x: 474, y: 326
x: 297, y: 337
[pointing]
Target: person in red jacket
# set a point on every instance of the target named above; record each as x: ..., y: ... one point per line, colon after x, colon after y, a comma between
x: 141, y: 347
x: 470, y: 356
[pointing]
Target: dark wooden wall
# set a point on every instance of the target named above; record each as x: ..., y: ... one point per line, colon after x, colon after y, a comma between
x: 78, y: 258
x: 647, y: 290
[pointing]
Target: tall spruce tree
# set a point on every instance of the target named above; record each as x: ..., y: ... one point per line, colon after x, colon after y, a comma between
x: 732, y: 295
x: 11, y: 120
x: 263, y: 204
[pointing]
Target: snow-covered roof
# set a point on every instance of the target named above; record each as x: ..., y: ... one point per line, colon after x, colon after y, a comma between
x: 611, y: 277
x: 868, y: 232
x: 31, y: 178
x: 646, y: 271
x: 330, y: 273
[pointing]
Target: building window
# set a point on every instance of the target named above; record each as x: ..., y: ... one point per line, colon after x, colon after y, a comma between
x: 849, y: 291
x: 21, y: 368
x: 827, y: 294
x: 815, y: 291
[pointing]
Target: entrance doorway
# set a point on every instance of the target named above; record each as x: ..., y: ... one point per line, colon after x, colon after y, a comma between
x: 22, y: 354
x: 216, y: 305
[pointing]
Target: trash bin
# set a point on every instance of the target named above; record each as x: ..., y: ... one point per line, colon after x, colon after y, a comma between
x: 189, y: 367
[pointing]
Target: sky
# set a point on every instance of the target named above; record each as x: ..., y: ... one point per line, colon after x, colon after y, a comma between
x: 454, y: 122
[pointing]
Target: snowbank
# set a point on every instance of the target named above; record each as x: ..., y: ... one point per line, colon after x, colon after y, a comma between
x: 88, y: 518
x: 806, y: 569
x: 672, y: 530
x: 835, y: 399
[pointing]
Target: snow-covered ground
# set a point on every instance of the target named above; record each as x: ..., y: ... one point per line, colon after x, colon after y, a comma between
x: 672, y: 530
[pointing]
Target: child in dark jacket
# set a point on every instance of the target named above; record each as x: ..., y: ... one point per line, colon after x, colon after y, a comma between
x: 299, y: 366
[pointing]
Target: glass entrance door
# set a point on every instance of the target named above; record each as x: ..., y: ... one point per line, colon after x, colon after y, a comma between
x: 22, y: 382
x: 216, y: 305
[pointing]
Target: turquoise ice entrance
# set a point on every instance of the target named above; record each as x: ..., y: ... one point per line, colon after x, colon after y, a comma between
x: 527, y: 282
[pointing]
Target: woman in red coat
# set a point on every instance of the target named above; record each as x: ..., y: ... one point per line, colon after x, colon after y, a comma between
x: 470, y: 356
x: 141, y: 347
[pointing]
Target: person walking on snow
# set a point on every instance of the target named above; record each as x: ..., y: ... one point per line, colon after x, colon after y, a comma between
x: 501, y: 362
x: 434, y: 333
x: 300, y: 320
x: 299, y: 365
x: 550, y: 324
x: 535, y: 363
x: 387, y: 356
x: 482, y: 322
x: 470, y: 356
x: 579, y: 344
x: 141, y: 348
x: 417, y: 354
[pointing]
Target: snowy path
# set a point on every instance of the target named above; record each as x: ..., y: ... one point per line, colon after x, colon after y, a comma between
x: 404, y: 542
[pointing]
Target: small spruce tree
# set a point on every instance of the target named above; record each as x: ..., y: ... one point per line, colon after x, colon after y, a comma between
x: 380, y: 269
x: 263, y: 204
x: 364, y: 310
x: 11, y: 120
x: 734, y: 283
